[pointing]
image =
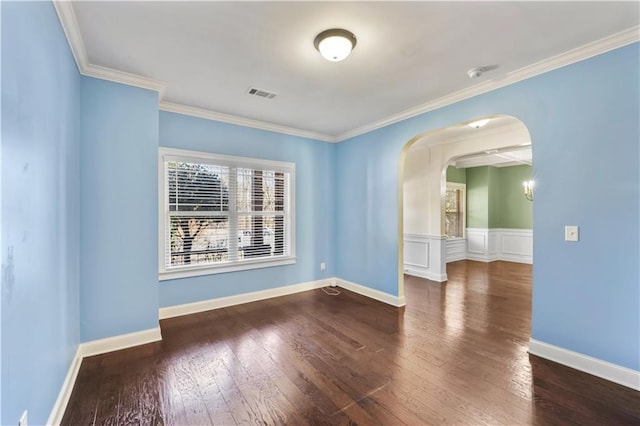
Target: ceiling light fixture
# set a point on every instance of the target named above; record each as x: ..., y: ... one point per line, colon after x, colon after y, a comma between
x: 335, y: 44
x: 479, y: 123
x: 477, y: 72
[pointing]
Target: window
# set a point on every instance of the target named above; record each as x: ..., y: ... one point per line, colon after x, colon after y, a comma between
x: 221, y: 213
x: 454, y: 223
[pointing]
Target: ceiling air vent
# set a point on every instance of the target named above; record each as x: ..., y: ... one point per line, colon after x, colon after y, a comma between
x: 261, y: 93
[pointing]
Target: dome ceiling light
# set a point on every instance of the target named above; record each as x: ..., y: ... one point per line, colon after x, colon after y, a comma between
x: 335, y: 44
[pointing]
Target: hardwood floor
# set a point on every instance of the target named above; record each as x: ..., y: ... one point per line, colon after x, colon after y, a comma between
x: 456, y: 354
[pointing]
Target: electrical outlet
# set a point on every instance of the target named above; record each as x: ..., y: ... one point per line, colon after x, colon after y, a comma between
x: 571, y: 233
x: 23, y: 419
x: 323, y: 266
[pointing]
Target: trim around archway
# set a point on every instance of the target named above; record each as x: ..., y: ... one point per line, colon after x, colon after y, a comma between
x: 436, y: 150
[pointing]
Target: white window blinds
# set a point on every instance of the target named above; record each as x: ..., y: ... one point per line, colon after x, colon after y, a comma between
x: 222, y: 212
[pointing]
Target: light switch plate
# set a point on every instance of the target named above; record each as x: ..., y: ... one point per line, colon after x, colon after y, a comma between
x: 571, y: 233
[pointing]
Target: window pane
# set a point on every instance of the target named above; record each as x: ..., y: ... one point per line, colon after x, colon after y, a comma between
x: 261, y: 236
x: 198, y: 240
x: 454, y: 216
x: 453, y: 227
x: 260, y: 190
x: 198, y: 187
x: 452, y: 200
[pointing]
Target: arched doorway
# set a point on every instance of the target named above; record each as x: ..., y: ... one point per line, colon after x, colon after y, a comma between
x: 422, y: 179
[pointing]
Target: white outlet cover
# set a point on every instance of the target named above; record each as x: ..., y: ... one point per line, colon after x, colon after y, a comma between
x: 571, y: 233
x: 23, y: 419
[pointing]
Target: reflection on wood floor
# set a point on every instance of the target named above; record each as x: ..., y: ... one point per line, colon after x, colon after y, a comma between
x: 456, y: 354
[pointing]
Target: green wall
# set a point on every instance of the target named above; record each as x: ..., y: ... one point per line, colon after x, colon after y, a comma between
x: 515, y: 210
x: 494, y: 176
x: 494, y: 196
x: 456, y: 175
x: 477, y: 197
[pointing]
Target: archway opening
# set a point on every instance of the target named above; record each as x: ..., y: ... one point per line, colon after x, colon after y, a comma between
x: 424, y: 246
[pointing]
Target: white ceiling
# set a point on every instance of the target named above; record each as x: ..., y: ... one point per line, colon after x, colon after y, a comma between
x: 497, y: 126
x: 408, y: 53
x: 515, y: 156
x: 503, y: 131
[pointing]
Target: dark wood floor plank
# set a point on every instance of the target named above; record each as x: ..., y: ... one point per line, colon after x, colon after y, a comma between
x: 82, y: 411
x: 312, y: 369
x: 109, y: 405
x: 456, y: 354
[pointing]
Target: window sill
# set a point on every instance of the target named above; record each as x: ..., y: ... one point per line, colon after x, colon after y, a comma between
x: 196, y: 271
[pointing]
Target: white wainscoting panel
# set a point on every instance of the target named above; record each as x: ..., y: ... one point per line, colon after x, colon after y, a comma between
x: 477, y: 242
x: 488, y: 245
x: 517, y: 245
x: 416, y: 254
x: 425, y: 255
x: 456, y: 249
x: 493, y: 243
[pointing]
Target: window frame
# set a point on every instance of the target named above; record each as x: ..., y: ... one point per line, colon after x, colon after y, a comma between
x: 233, y: 162
x: 462, y: 187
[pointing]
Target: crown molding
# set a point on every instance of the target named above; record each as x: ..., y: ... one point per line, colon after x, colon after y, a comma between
x: 240, y: 121
x: 129, y: 79
x: 69, y: 23
x: 67, y: 17
x: 64, y: 9
x: 578, y: 54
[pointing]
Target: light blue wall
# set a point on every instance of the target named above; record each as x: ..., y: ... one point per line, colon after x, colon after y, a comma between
x: 79, y: 200
x: 314, y: 204
x: 40, y: 210
x: 583, y: 121
x: 366, y: 220
x: 118, y: 204
x: 586, y: 295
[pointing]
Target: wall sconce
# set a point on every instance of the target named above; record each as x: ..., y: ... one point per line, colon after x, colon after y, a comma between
x: 528, y: 189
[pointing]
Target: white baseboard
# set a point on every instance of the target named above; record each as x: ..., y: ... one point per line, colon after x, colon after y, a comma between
x: 516, y: 258
x: 483, y: 258
x: 115, y: 343
x: 425, y: 274
x: 373, y: 294
x: 606, y: 370
x: 223, y: 302
x: 55, y: 418
x: 96, y: 347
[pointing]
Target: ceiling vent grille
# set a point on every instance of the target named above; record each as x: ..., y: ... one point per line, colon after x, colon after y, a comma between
x: 262, y: 93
